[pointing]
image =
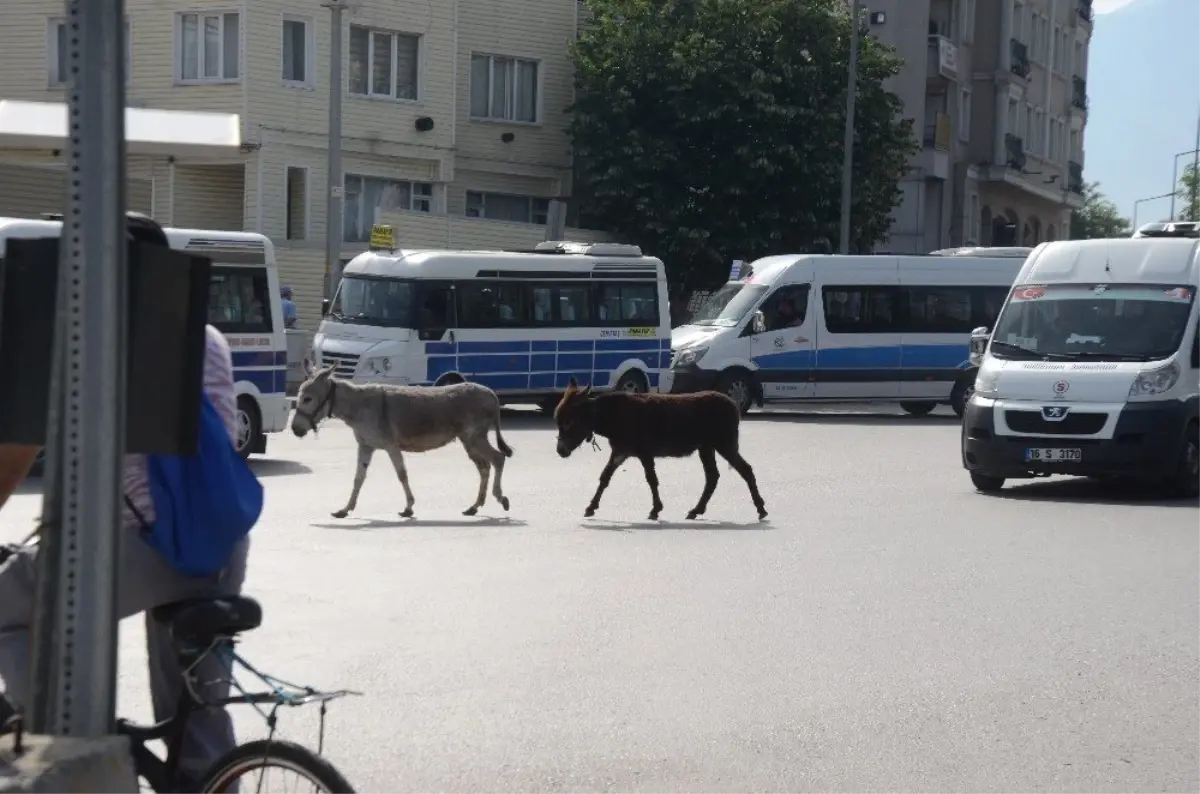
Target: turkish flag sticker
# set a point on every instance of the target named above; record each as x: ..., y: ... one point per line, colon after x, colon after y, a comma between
x: 1028, y: 293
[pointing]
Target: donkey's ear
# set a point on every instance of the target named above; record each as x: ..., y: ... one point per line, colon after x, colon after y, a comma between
x: 572, y: 384
x: 587, y: 390
x: 327, y: 372
x: 308, y: 367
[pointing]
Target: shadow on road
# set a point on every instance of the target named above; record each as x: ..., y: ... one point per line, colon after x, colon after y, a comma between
x: 861, y: 418
x: 1114, y: 492
x: 521, y: 418
x: 273, y: 467
x: 466, y: 522
x: 695, y: 525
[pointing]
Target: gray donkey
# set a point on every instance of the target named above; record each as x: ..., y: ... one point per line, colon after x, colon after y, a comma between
x: 399, y: 419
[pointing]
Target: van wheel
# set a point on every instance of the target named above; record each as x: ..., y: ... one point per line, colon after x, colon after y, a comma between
x: 918, y: 409
x: 633, y: 382
x: 962, y: 395
x: 1186, y: 480
x: 249, y: 425
x: 449, y: 380
x: 735, y: 383
x: 986, y: 483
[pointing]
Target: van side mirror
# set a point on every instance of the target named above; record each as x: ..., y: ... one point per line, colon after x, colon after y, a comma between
x: 758, y: 323
x: 325, y: 307
x: 977, y: 346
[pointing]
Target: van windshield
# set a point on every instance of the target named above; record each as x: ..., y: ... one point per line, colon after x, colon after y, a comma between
x: 364, y: 300
x: 727, y: 306
x: 1101, y: 322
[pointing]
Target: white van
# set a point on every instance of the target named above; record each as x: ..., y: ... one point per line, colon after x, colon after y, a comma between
x: 521, y: 323
x: 875, y: 328
x: 243, y: 304
x: 1093, y: 367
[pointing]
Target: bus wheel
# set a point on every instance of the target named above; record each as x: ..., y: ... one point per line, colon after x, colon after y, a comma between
x: 633, y: 382
x: 249, y: 425
x: 736, y: 384
x: 962, y: 395
x: 1187, y: 474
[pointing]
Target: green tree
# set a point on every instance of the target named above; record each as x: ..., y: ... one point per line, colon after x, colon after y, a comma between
x: 1189, y: 193
x: 1098, y: 217
x: 709, y: 130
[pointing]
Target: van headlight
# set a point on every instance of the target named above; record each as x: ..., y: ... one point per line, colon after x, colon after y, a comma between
x: 689, y: 355
x: 379, y: 365
x: 1154, y: 381
x: 986, y: 381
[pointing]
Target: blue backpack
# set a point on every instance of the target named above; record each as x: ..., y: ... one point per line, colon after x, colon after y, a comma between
x: 205, y: 503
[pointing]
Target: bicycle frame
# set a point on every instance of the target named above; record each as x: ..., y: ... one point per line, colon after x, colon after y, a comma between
x: 164, y: 775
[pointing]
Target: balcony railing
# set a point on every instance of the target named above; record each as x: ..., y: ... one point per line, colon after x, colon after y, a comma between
x: 1074, y: 176
x: 942, y: 59
x: 1085, y: 10
x: 1020, y: 57
x: 1079, y: 96
x: 937, y: 134
x: 1014, y: 151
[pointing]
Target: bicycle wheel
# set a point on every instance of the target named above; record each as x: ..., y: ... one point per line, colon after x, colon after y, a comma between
x: 266, y: 764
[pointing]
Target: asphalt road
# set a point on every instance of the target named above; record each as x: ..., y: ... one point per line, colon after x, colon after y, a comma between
x: 887, y: 629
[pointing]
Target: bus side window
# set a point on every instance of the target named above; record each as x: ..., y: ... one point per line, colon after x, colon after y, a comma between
x: 435, y: 314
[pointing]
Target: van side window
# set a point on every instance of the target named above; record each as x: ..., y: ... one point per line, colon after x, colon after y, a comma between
x: 938, y: 310
x: 786, y: 307
x: 489, y: 304
x: 239, y: 301
x: 860, y: 309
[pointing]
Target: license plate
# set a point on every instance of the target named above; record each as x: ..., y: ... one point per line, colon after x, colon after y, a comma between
x: 1053, y: 455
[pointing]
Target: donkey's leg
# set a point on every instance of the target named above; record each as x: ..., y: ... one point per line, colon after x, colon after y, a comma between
x: 652, y: 481
x: 496, y: 458
x: 743, y: 468
x: 360, y: 474
x: 402, y: 475
x: 481, y: 463
x: 711, y: 475
x: 614, y: 462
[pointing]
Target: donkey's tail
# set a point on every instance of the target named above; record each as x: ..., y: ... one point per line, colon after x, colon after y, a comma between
x: 504, y: 448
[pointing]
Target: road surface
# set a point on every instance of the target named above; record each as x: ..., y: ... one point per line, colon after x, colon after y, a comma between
x: 888, y: 628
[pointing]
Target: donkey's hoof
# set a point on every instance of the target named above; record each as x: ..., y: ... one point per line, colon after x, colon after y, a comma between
x: 408, y: 513
x: 762, y: 513
x: 470, y: 511
x: 340, y: 514
x: 504, y: 503
x: 591, y: 511
x: 653, y: 515
x: 692, y: 515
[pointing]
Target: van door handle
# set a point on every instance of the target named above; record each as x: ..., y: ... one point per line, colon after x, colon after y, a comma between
x: 452, y: 337
x: 801, y: 339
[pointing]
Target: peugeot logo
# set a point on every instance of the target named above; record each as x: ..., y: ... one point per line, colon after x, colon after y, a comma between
x: 1055, y: 413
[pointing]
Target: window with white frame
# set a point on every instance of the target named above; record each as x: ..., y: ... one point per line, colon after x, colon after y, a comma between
x: 1037, y: 46
x: 1018, y: 21
x: 964, y: 114
x: 973, y: 218
x: 57, y: 52
x: 504, y: 88
x: 209, y: 48
x: 1073, y: 153
x: 967, y: 21
x: 1024, y: 125
x: 384, y: 64
x: 1013, y: 118
x: 1052, y: 148
x: 1039, y: 132
x: 365, y: 195
x: 298, y: 51
x: 1080, y: 58
x: 507, y: 207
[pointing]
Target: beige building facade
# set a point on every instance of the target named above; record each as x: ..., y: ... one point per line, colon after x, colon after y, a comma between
x: 997, y: 90
x: 453, y: 119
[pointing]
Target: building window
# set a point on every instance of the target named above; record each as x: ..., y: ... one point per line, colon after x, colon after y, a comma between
x: 297, y: 203
x: 1018, y: 20
x: 1013, y: 119
x: 972, y: 220
x: 366, y: 195
x: 967, y: 32
x: 298, y: 51
x: 209, y: 47
x: 964, y: 114
x: 57, y: 53
x: 1039, y: 132
x: 504, y: 88
x: 505, y: 207
x: 384, y: 64
x: 1080, y: 58
x: 1074, y: 152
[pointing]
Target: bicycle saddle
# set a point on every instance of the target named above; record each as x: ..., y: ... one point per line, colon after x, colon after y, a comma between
x: 205, y: 618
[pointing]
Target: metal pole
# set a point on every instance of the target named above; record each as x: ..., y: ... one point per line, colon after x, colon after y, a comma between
x: 1175, y: 166
x: 1195, y: 197
x: 848, y: 153
x: 1142, y: 201
x: 335, y: 195
x: 74, y: 668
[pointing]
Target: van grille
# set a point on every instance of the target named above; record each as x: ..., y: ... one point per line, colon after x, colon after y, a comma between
x: 346, y: 363
x: 1074, y: 424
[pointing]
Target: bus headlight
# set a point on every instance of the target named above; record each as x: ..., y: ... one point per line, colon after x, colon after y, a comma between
x: 1154, y: 381
x: 986, y: 381
x: 379, y: 365
x: 689, y: 355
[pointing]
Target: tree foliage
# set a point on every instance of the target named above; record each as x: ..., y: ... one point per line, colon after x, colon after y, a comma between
x: 709, y: 130
x: 1188, y: 191
x: 1098, y: 217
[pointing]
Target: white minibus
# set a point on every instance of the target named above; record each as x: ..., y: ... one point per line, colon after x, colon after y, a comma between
x: 521, y: 323
x: 873, y: 328
x: 243, y: 303
x: 1093, y: 367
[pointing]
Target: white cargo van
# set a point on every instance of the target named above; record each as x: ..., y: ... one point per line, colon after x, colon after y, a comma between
x: 1093, y: 367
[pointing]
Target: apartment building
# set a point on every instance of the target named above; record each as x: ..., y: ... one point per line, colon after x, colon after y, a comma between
x: 453, y: 121
x: 998, y: 91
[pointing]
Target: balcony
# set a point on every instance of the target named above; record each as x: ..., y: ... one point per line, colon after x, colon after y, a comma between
x: 937, y: 134
x: 934, y: 160
x: 1079, y: 98
x: 1075, y: 177
x: 1014, y: 151
x: 1019, y: 54
x: 1084, y: 8
x: 942, y: 61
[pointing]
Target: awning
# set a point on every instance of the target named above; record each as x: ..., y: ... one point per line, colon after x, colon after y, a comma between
x: 43, y: 125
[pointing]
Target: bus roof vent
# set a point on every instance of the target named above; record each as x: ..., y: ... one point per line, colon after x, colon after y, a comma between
x: 1001, y: 252
x: 587, y: 249
x: 1169, y: 229
x: 211, y: 245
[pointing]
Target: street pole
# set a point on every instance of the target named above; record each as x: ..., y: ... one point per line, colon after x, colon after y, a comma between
x: 1175, y: 166
x: 848, y: 152
x: 335, y: 195
x: 74, y: 642
x: 1196, y: 172
x: 1143, y: 201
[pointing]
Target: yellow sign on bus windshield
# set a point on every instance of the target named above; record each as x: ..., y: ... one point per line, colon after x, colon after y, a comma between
x: 383, y: 238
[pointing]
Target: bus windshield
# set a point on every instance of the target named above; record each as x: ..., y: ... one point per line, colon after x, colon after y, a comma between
x: 727, y: 306
x: 364, y: 300
x: 1101, y: 322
